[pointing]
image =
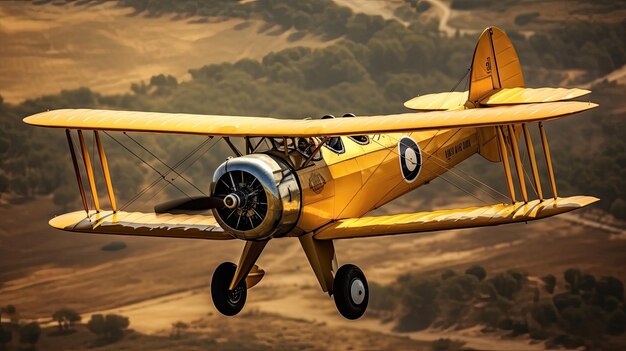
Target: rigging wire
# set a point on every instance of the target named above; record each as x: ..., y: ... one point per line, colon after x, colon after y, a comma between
x: 165, y: 164
x: 162, y: 176
x: 157, y: 180
x: 189, y: 165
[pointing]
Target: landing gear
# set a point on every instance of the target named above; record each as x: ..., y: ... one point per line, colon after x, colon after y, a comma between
x: 228, y: 302
x: 350, y: 291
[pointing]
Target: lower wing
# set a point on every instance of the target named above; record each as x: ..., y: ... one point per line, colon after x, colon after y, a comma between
x: 451, y: 219
x: 141, y: 224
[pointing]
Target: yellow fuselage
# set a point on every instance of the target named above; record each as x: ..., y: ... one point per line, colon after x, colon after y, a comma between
x: 365, y: 177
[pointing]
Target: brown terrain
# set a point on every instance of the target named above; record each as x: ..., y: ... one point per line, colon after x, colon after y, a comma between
x: 156, y: 282
x: 55, y: 46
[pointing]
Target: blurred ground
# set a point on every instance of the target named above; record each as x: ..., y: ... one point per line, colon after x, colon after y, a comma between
x: 47, y: 48
x: 157, y: 282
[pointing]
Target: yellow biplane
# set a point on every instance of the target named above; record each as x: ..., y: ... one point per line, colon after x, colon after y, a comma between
x: 317, y: 179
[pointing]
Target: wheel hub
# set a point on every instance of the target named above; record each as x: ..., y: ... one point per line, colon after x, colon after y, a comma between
x: 357, y: 291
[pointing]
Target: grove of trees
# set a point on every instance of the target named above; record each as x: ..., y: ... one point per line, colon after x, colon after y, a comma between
x: 583, y: 310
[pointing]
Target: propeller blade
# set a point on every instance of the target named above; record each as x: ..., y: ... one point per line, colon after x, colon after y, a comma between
x: 195, y: 204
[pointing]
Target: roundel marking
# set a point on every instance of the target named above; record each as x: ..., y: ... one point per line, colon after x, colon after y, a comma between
x: 410, y: 157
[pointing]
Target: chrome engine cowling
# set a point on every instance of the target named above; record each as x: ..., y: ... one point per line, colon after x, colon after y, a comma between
x: 262, y: 197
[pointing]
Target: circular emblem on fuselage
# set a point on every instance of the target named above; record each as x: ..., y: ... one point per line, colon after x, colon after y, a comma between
x: 410, y: 158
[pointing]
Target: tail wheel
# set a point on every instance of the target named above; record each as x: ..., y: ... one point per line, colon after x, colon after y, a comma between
x: 350, y: 291
x: 228, y: 302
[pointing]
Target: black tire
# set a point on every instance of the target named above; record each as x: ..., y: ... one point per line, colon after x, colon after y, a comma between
x: 348, y: 278
x: 228, y: 302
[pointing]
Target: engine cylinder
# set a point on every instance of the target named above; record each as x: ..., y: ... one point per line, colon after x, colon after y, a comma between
x: 262, y: 197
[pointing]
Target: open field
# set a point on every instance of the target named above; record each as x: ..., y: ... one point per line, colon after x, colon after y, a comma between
x: 47, y: 48
x: 551, y: 14
x: 156, y: 282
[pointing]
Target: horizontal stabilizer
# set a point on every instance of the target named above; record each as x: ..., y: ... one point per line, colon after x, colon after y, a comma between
x: 141, y: 224
x: 506, y: 96
x: 437, y: 101
x: 451, y: 219
x: 512, y: 96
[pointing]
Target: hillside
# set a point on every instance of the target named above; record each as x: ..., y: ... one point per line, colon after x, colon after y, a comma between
x: 49, y: 46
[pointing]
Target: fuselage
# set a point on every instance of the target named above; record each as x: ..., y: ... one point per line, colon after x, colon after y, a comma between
x: 367, y: 176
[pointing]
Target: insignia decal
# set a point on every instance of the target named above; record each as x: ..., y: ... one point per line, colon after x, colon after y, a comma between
x: 410, y: 157
x: 488, y: 65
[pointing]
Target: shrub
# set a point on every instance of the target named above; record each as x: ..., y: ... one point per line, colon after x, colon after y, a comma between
x: 418, y: 298
x: 565, y: 300
x: 544, y: 313
x: 550, y: 283
x: 505, y: 284
x: 477, y: 271
x: 114, y: 246
x: 446, y: 274
x: 610, y: 286
x: 5, y: 336
x: 491, y: 316
x: 572, y: 276
x: 381, y: 297
x: 30, y: 333
x: 616, y: 322
x: 66, y: 318
x: 519, y: 327
x: 109, y: 327
x: 459, y: 288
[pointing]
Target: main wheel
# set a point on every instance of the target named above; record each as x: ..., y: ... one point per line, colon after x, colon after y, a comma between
x: 350, y: 291
x: 228, y: 302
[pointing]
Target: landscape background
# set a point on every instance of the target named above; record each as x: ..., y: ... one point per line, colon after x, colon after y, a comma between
x: 553, y: 283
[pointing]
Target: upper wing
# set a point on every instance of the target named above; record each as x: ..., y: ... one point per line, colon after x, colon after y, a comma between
x: 451, y: 219
x: 505, y: 96
x: 142, y: 224
x: 261, y: 126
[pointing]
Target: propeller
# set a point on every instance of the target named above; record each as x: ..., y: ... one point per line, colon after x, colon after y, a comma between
x: 186, y: 205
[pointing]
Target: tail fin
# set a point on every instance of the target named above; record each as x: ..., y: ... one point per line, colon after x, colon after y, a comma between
x: 495, y: 65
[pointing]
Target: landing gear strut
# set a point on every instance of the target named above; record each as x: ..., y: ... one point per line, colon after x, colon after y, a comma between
x: 350, y: 291
x: 228, y: 302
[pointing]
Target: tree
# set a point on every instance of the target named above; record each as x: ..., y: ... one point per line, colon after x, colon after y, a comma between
x: 178, y: 327
x: 550, y: 283
x: 477, y: 271
x: 30, y: 333
x: 611, y: 286
x: 544, y: 313
x: 11, y: 311
x: 5, y: 336
x: 96, y: 325
x: 66, y: 318
x: 572, y: 276
x: 109, y: 327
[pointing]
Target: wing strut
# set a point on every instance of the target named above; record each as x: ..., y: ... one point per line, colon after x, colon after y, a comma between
x: 518, y: 162
x: 533, y: 161
x: 546, y: 153
x: 77, y: 171
x: 89, y: 169
x: 105, y: 170
x: 505, y: 161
